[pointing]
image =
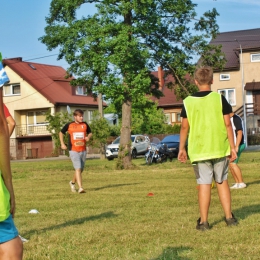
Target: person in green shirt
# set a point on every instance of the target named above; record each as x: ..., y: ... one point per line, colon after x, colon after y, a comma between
x: 205, y: 118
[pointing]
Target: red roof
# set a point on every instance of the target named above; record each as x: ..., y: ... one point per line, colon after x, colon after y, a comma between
x: 169, y: 99
x: 249, y: 40
x: 50, y: 81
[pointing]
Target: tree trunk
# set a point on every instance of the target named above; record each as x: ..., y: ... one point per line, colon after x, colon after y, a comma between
x: 124, y: 153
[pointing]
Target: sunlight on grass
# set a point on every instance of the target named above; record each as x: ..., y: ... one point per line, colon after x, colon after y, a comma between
x: 115, y: 219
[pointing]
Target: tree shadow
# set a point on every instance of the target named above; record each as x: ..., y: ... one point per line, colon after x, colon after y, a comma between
x: 78, y: 221
x: 115, y: 185
x: 173, y: 253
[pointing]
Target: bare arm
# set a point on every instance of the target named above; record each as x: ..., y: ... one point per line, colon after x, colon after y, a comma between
x: 11, y: 124
x: 5, y: 155
x: 239, y: 138
x: 63, y: 146
x: 182, y: 156
x: 233, y: 154
x: 87, y: 138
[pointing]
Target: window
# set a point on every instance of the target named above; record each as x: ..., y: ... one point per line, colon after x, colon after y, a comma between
x: 90, y: 116
x: 229, y: 94
x: 12, y: 90
x: 167, y: 119
x: 178, y: 117
x: 36, y: 118
x: 80, y: 90
x: 255, y: 57
x: 224, y: 77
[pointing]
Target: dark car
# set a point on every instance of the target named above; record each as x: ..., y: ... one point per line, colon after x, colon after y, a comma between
x: 173, y: 142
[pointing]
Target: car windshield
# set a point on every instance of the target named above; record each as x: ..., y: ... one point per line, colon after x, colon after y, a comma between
x: 117, y: 140
x: 132, y: 138
x: 172, y: 138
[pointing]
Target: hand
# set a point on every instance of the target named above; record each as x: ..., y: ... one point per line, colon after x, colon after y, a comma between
x: 233, y: 155
x: 182, y: 156
x: 63, y: 147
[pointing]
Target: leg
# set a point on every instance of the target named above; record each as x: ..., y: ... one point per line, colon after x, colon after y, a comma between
x: 225, y: 198
x: 12, y: 249
x: 236, y: 172
x: 204, y: 201
x: 78, y: 177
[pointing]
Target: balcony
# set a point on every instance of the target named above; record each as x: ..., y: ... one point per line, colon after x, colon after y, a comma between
x: 31, y: 130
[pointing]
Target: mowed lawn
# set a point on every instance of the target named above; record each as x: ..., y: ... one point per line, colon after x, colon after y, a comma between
x: 115, y: 219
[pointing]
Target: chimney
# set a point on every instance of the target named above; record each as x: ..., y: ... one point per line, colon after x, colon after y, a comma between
x: 160, y: 77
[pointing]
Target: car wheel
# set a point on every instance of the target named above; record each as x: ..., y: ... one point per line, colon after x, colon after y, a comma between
x: 134, y: 154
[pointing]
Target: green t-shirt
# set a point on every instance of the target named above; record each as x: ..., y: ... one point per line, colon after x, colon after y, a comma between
x: 4, y: 201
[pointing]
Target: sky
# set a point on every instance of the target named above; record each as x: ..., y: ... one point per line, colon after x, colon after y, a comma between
x: 23, y: 22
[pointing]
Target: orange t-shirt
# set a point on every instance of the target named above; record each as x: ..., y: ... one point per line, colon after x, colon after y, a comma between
x: 77, y: 133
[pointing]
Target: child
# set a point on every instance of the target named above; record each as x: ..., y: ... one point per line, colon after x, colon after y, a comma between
x: 206, y: 117
x: 237, y: 125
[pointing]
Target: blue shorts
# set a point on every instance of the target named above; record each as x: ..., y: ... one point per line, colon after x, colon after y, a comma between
x: 78, y: 159
x: 8, y: 230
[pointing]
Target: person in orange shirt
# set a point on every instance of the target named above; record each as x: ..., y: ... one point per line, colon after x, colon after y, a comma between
x: 79, y: 134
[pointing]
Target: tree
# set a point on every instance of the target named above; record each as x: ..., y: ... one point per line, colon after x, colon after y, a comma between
x: 114, y: 51
x: 56, y: 122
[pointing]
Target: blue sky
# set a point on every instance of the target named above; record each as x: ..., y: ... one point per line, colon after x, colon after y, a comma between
x: 23, y: 23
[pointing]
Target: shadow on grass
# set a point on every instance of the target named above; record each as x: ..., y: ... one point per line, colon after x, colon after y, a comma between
x: 115, y: 185
x: 78, y: 221
x: 241, y: 213
x: 252, y: 183
x: 171, y: 253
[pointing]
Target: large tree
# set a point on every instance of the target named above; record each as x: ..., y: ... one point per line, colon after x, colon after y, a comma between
x: 114, y: 50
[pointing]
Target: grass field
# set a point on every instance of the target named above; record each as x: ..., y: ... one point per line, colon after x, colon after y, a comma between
x: 116, y: 219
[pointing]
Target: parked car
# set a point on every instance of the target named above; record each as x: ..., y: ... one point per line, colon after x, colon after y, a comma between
x: 139, y: 146
x: 173, y: 142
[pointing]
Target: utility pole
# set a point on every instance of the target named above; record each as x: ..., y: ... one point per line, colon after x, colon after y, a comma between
x: 243, y: 92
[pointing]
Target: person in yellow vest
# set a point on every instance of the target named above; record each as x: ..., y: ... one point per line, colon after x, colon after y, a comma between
x: 205, y: 117
x: 79, y: 134
x: 11, y: 246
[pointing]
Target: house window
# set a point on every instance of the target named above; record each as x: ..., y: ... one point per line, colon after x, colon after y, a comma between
x: 90, y: 116
x: 36, y: 118
x: 12, y: 90
x: 167, y: 119
x: 178, y: 117
x: 255, y: 57
x: 224, y: 77
x: 80, y: 90
x: 229, y: 94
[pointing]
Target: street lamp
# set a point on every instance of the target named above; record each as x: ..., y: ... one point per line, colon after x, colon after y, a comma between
x: 243, y: 92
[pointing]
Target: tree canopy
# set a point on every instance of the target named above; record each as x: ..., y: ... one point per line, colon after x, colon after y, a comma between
x: 114, y: 50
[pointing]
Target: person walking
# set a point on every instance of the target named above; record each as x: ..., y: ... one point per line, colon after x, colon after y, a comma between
x: 238, y: 132
x: 205, y: 116
x: 79, y: 133
x: 11, y: 246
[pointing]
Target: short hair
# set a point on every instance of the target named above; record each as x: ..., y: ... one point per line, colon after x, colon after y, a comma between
x: 204, y: 75
x: 78, y: 112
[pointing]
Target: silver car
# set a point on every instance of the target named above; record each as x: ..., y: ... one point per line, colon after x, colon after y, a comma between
x: 139, y: 146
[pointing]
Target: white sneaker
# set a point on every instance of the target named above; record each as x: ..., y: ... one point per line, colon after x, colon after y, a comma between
x: 81, y: 190
x: 235, y: 186
x: 241, y: 185
x: 24, y: 240
x: 72, y: 187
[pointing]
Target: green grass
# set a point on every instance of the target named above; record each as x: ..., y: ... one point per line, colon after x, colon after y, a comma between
x: 116, y: 219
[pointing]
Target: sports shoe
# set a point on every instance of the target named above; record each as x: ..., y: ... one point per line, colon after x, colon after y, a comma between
x: 234, y: 186
x: 81, y: 190
x: 241, y: 185
x: 231, y: 221
x: 72, y: 187
x: 202, y: 226
x: 24, y: 240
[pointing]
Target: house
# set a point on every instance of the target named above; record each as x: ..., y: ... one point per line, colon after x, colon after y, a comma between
x: 34, y: 89
x: 169, y: 103
x: 239, y: 81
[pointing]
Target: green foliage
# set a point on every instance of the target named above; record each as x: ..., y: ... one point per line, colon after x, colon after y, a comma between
x: 100, y: 130
x: 169, y: 129
x: 114, y: 51
x: 56, y: 122
x: 253, y: 139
